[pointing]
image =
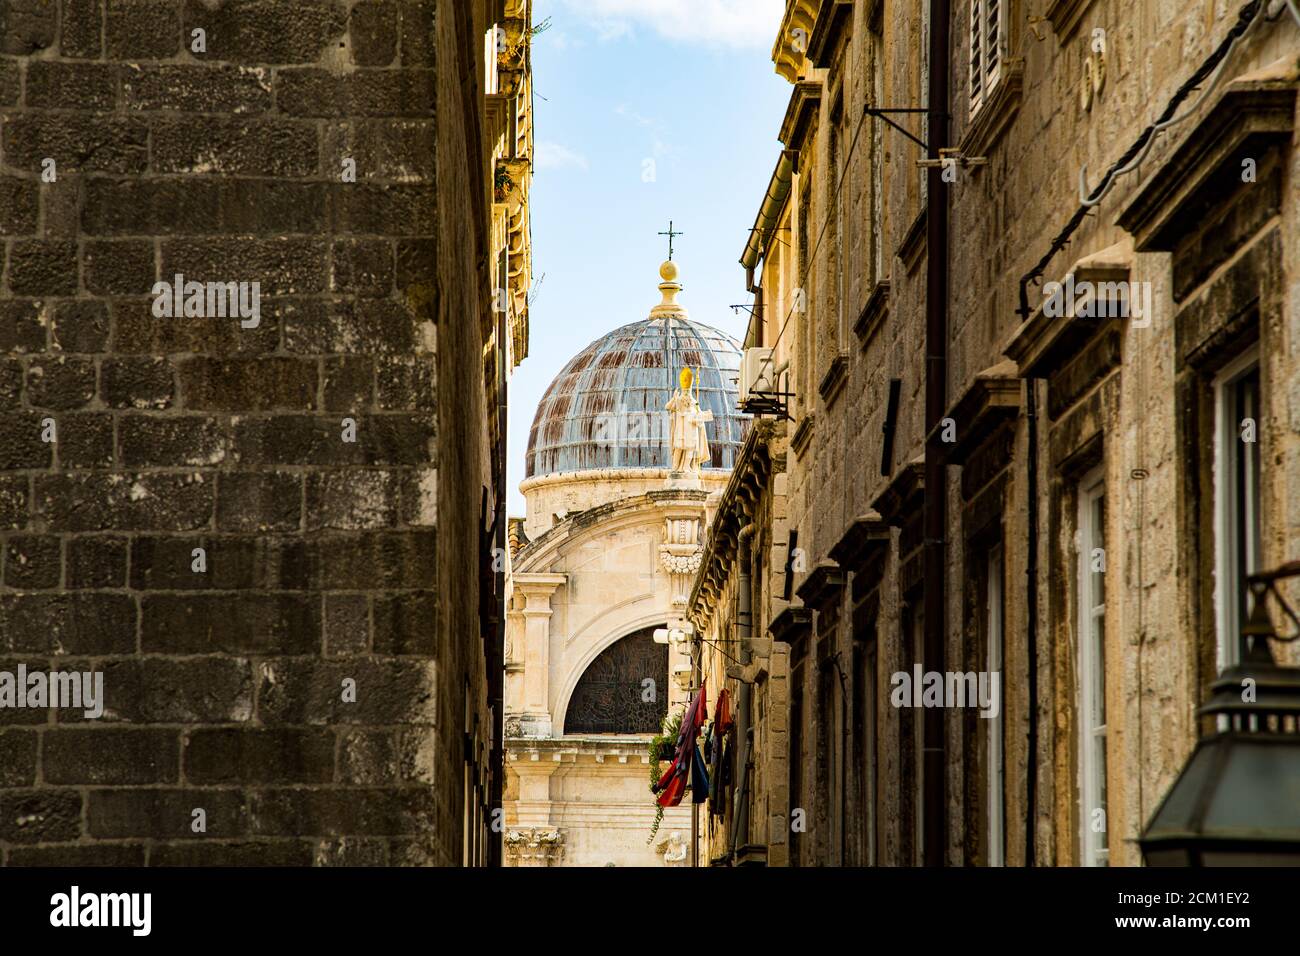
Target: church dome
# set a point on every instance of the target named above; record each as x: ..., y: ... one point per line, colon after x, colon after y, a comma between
x: 606, y: 407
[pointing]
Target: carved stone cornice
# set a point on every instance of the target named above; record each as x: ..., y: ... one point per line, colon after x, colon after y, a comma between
x: 1043, y: 343
x: 901, y: 494
x: 805, y: 100
x: 991, y: 399
x: 790, y: 52
x: 832, y: 383
x: 866, y: 534
x: 873, y: 314
x: 792, y: 625
x: 823, y: 585
x: 1252, y: 116
x: 834, y: 19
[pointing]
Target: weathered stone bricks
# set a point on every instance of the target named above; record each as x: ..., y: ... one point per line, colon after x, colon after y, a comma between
x: 20, y: 442
x: 259, y: 756
x: 77, y: 623
x: 155, y: 690
x: 80, y: 325
x: 268, y: 31
x: 142, y: 29
x: 379, y: 812
x: 60, y: 383
x: 297, y: 692
x: 175, y: 441
x: 52, y: 84
x: 88, y: 144
x: 283, y: 266
x: 196, y: 88
x: 13, y: 502
x: 259, y: 501
x: 137, y: 383
x: 97, y: 561
x: 253, y: 853
x: 235, y: 147
x: 27, y: 26
x: 43, y: 267
x: 254, y: 385
x: 79, y: 855
x: 166, y: 814
x: 86, y: 440
x: 19, y: 206
x: 122, y: 267
x: 270, y: 624
x: 223, y: 687
x: 32, y: 562
x: 11, y: 383
x: 81, y: 29
x: 39, y: 816
x: 110, y: 755
x: 17, y: 758
x: 325, y: 93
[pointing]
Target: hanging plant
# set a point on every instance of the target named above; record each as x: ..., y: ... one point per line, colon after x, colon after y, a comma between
x: 663, y: 747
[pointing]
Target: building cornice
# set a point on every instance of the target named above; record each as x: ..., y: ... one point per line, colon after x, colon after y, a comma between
x: 790, y: 52
x: 1254, y: 115
x: 805, y: 101
x: 991, y: 399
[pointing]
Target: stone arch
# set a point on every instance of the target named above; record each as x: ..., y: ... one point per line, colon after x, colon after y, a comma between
x: 610, y: 697
x: 573, y: 673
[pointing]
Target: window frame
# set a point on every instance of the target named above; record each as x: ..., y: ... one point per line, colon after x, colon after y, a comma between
x: 1091, y: 650
x: 991, y: 37
x: 1229, y: 525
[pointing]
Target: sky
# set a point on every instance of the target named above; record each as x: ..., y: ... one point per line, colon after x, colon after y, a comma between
x: 678, y: 92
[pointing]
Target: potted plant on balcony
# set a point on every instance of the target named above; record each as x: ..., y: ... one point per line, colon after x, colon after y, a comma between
x: 663, y: 747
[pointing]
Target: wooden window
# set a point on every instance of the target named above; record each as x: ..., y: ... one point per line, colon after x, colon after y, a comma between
x: 987, y: 38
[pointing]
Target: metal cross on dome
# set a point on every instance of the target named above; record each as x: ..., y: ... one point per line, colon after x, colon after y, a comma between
x: 671, y: 234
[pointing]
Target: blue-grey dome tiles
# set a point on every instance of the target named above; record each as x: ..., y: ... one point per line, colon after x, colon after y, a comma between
x: 606, y: 407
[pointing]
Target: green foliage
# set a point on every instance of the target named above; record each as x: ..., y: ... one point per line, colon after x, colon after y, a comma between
x: 672, y: 728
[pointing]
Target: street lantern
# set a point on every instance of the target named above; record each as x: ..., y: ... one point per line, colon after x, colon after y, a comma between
x: 1237, y: 802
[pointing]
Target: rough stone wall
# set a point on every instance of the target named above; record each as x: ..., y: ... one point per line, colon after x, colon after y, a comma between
x: 225, y: 687
x: 1002, y: 219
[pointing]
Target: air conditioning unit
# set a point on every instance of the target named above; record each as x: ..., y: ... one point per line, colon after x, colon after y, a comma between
x: 756, y: 372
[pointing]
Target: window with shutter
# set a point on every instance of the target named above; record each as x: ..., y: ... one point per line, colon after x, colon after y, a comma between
x: 987, y: 31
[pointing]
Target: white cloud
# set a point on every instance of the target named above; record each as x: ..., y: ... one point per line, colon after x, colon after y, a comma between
x: 727, y: 23
x: 554, y: 156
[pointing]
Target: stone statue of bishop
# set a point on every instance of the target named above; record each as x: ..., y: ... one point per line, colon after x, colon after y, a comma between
x: 688, y: 438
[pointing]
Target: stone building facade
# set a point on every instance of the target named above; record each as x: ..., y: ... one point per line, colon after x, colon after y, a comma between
x: 272, y: 535
x: 1041, y: 399
x: 603, y: 559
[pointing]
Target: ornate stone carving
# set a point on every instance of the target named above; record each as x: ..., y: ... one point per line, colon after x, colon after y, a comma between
x: 537, y: 846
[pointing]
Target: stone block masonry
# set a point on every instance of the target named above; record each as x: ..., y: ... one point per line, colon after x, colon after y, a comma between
x: 237, y: 525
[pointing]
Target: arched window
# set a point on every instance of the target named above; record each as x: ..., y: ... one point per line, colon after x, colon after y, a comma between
x: 614, y: 695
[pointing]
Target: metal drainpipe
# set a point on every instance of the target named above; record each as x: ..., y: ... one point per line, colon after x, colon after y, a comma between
x: 744, y: 627
x: 934, y: 796
x: 1031, y: 620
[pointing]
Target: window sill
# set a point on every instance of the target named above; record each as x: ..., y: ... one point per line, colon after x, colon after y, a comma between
x: 832, y: 382
x: 995, y: 114
x: 873, y: 314
x: 802, y: 434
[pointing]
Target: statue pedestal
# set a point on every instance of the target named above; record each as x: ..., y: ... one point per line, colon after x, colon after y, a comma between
x: 684, y: 479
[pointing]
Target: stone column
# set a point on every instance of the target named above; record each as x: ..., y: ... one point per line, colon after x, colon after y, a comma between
x: 535, y: 592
